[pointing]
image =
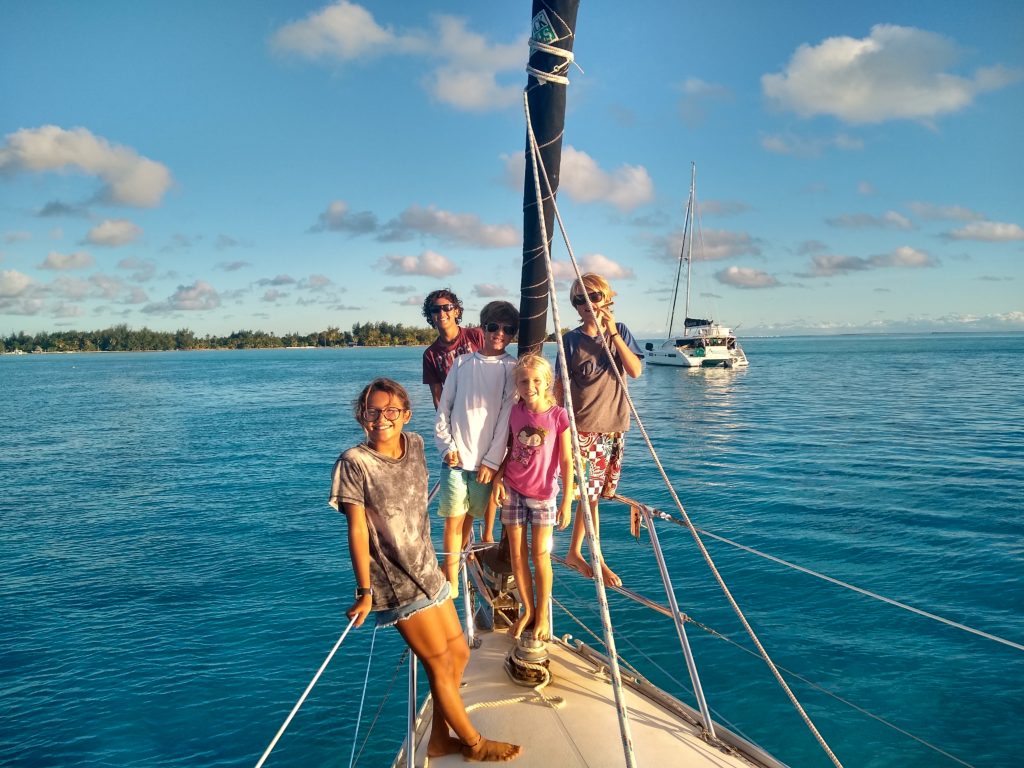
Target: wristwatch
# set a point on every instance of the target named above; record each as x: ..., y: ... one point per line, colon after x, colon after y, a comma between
x: 363, y: 592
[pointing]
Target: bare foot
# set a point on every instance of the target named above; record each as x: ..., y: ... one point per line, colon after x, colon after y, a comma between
x: 541, y: 626
x: 609, y: 576
x: 520, y: 624
x: 573, y: 560
x: 445, y: 745
x: 487, y: 751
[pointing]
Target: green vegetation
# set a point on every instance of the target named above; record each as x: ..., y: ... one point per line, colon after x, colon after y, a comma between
x: 121, y: 338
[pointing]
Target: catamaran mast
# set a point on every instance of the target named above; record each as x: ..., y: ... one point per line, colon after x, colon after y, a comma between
x: 554, y: 26
x: 687, y: 238
x: 689, y: 242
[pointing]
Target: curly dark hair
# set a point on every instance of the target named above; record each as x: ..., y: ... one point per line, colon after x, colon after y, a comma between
x: 444, y: 293
x: 381, y: 384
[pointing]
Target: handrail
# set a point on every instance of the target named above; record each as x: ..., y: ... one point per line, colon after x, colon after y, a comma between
x: 691, y: 664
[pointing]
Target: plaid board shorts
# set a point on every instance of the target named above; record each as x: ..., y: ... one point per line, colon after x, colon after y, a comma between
x: 602, y: 462
x: 519, y: 510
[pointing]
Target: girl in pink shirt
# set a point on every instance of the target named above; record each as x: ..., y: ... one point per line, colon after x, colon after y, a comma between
x: 526, y: 487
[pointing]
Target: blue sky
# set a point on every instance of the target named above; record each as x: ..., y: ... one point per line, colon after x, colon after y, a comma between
x: 291, y: 165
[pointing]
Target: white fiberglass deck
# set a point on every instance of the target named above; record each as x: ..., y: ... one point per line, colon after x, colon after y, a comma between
x: 582, y: 732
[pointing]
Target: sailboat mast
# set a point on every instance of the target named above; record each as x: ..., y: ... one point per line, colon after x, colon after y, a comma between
x: 553, y: 26
x: 679, y: 267
x: 691, y: 207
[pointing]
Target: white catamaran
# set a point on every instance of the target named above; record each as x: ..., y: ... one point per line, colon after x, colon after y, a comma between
x: 704, y: 343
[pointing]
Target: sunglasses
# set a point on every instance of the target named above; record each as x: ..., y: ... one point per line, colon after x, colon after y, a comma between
x: 579, y: 299
x: 437, y: 309
x: 510, y: 330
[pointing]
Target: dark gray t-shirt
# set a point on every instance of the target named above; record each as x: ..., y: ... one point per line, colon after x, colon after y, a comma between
x: 403, y: 564
x: 598, y: 401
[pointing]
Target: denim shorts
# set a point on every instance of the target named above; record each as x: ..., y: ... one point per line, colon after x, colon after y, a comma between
x: 461, y: 494
x: 519, y: 510
x: 391, y: 616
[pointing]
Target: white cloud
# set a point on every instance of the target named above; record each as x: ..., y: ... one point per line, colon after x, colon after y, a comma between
x: 904, y: 256
x: 339, y: 218
x: 457, y: 228
x: 865, y: 188
x: 144, y: 268
x: 16, y: 236
x: 428, y: 263
x: 894, y: 73
x: 13, y: 283
x: 627, y: 187
x: 829, y: 265
x: 315, y: 282
x: 710, y: 245
x: 988, y: 231
x: 196, y: 297
x: 953, y: 212
x: 697, y: 99
x: 746, y: 277
x: 465, y: 66
x: 67, y: 310
x: 232, y: 266
x: 490, y: 290
x: 129, y: 178
x: 468, y: 79
x: 592, y: 262
x: 64, y: 261
x: 344, y: 31
x: 723, y: 207
x: 808, y: 146
x: 888, y: 220
x: 114, y: 232
x: 278, y: 280
x: 583, y: 180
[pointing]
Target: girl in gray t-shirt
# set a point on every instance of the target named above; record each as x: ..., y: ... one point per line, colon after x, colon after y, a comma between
x: 381, y: 487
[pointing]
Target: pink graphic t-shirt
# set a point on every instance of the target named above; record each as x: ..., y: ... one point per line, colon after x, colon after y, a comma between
x: 532, y: 467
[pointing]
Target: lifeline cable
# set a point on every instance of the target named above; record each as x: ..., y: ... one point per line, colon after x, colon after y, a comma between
x: 305, y: 693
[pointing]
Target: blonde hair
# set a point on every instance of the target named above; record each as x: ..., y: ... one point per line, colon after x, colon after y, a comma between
x: 591, y: 281
x: 533, y: 362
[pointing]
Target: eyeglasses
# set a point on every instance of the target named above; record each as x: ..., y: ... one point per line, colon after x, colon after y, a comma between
x: 391, y: 413
x: 437, y: 309
x: 510, y: 330
x: 595, y: 296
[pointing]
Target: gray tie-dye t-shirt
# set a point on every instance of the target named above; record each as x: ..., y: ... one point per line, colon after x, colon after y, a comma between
x: 403, y: 564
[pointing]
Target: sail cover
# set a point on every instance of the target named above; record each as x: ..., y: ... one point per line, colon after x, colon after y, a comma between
x: 554, y: 25
x: 695, y: 322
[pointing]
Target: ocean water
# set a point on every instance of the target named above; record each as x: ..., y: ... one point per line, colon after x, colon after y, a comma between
x: 172, y: 576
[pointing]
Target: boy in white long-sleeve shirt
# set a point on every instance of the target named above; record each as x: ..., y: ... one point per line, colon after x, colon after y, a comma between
x: 471, y: 431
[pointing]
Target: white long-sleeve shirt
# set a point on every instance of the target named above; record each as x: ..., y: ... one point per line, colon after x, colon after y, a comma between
x: 472, y: 414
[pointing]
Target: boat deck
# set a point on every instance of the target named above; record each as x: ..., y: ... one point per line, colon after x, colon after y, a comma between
x: 582, y: 732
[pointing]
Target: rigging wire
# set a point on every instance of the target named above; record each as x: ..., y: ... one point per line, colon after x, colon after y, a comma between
x: 719, y: 636
x: 305, y: 693
x: 362, y: 698
x: 844, y: 584
x: 383, y: 701
x: 595, y: 552
x: 654, y: 455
